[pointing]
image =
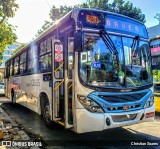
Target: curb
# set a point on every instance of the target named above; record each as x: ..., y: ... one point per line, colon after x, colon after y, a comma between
x: 11, y: 128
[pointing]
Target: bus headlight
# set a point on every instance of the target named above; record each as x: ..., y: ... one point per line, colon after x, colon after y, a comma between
x: 89, y: 104
x: 149, y: 102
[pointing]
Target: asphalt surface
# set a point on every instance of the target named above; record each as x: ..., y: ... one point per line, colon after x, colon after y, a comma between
x: 58, y: 136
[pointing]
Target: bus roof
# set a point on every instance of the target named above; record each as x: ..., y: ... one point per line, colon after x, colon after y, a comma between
x: 73, y: 14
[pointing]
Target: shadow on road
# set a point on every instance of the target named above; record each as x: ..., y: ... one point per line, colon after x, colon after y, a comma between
x: 33, y: 123
x: 2, y: 95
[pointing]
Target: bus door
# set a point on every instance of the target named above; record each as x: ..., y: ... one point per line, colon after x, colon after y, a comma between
x: 62, y: 86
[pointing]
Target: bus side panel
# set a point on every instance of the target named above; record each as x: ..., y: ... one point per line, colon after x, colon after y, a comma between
x: 20, y: 94
x: 88, y: 122
x: 6, y: 89
x: 30, y: 89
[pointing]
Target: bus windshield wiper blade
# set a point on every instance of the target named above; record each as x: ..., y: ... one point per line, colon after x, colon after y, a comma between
x: 107, y: 40
x: 110, y: 45
x: 135, y: 44
x: 134, y: 47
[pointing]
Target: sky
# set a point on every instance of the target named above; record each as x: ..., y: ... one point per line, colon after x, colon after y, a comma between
x: 32, y: 14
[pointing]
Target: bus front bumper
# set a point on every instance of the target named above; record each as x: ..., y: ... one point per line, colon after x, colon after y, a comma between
x: 88, y: 122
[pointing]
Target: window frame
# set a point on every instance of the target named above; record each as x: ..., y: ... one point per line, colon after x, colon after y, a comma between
x: 21, y: 63
x: 31, y: 58
x: 45, y: 52
x: 16, y: 65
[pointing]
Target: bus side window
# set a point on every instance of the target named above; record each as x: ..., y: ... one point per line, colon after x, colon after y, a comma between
x: 11, y: 68
x: 70, y: 56
x: 16, y: 65
x: 45, y: 55
x: 23, y: 63
x: 32, y: 60
x: 7, y: 71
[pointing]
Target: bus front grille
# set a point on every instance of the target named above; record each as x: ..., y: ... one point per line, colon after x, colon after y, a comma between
x: 123, y: 98
x: 122, y: 118
x: 130, y: 107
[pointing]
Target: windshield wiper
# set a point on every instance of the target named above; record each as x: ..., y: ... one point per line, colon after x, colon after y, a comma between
x: 108, y: 42
x: 134, y: 47
x: 112, y: 48
x: 135, y: 44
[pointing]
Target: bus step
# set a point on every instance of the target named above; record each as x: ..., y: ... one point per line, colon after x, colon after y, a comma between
x: 61, y: 123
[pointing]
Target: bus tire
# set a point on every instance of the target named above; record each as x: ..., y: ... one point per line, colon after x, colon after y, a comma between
x: 46, y: 115
x: 13, y: 97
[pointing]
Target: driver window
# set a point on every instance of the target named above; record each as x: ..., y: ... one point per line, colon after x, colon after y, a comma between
x: 97, y: 61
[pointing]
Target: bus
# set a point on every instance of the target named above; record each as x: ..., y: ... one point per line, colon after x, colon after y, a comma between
x: 90, y: 71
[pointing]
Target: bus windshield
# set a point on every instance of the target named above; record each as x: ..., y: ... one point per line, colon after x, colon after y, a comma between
x: 99, y: 66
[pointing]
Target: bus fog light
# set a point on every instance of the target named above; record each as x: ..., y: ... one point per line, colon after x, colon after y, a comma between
x: 89, y: 104
x: 108, y: 122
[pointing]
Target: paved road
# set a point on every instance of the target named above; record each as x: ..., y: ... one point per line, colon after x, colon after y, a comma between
x: 33, y: 123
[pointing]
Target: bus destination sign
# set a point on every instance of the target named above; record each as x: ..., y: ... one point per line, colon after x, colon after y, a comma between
x: 92, y: 19
x: 125, y: 26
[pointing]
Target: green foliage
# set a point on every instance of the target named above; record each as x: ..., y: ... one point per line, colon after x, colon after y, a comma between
x: 117, y: 6
x: 57, y: 13
x: 44, y: 27
x: 17, y: 49
x: 7, y: 9
x: 156, y: 75
x: 97, y: 4
x: 7, y: 35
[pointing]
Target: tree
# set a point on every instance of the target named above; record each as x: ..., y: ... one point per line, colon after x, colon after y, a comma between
x: 46, y: 25
x: 117, y: 6
x: 17, y: 49
x: 127, y: 9
x: 7, y: 35
x: 55, y: 14
x: 7, y: 9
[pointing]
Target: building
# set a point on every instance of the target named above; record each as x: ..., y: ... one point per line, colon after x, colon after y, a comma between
x: 7, y: 53
x: 154, y: 38
x: 154, y: 31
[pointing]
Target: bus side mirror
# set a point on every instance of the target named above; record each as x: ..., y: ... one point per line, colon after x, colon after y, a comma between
x: 78, y: 41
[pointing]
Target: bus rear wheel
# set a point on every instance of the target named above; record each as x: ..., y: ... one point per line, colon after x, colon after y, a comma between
x: 46, y: 115
x: 13, y: 98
